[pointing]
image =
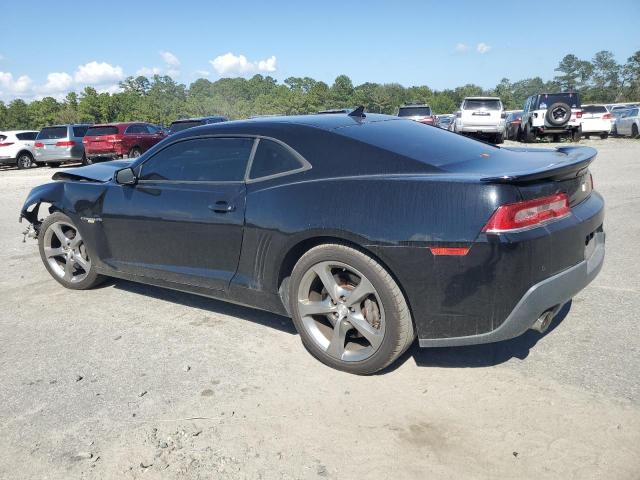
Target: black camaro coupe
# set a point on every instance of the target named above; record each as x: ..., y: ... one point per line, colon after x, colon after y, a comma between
x: 367, y: 230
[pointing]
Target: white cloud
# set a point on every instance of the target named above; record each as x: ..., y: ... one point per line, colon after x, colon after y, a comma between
x: 483, y: 48
x: 57, y: 83
x: 268, y: 65
x: 149, y: 71
x: 98, y: 73
x: 234, y: 65
x: 462, y: 47
x: 170, y: 59
x: 10, y: 87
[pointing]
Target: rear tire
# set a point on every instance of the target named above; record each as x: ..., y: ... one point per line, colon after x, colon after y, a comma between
x: 634, y: 131
x: 576, y: 135
x: 604, y: 136
x: 499, y: 139
x: 24, y: 160
x: 349, y: 311
x: 528, y: 135
x: 86, y: 160
x: 135, y: 152
x: 65, y: 255
x: 556, y: 138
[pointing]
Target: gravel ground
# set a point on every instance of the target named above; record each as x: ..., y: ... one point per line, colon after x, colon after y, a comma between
x: 131, y: 381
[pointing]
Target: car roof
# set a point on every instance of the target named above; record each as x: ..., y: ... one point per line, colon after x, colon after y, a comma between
x: 13, y: 132
x: 482, y: 98
x: 417, y: 105
x: 116, y: 124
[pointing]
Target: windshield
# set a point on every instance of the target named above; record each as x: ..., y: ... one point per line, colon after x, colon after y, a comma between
x: 179, y: 126
x: 594, y: 109
x: 52, y: 133
x: 571, y: 99
x: 481, y: 104
x: 414, y: 112
x: 100, y: 131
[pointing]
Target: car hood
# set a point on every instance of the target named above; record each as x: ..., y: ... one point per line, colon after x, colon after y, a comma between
x: 99, y: 172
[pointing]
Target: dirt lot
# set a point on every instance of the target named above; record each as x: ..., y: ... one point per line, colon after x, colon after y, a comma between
x: 130, y: 381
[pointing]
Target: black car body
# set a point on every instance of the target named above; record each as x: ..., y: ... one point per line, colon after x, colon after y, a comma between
x: 422, y: 203
x: 512, y: 125
x: 184, y: 123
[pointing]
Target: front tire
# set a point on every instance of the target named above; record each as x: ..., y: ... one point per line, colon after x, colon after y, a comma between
x: 499, y: 139
x: 349, y: 311
x: 65, y: 255
x: 634, y: 131
x: 528, y: 135
x: 576, y: 135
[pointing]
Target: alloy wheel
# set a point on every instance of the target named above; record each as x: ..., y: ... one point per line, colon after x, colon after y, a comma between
x: 24, y: 161
x: 66, y: 252
x: 341, y: 311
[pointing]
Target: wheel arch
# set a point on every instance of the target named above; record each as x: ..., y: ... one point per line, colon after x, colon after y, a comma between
x: 27, y: 151
x: 297, y: 250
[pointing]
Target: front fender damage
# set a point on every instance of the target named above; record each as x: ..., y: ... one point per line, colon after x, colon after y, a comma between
x: 51, y: 193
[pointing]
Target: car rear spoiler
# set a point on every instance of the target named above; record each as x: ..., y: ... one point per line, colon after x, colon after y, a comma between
x: 577, y: 159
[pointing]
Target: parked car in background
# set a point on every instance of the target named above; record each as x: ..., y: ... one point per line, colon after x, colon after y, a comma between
x: 444, y: 121
x: 512, y: 125
x: 616, y: 113
x: 481, y: 117
x: 16, y: 148
x: 465, y: 243
x: 58, y: 144
x: 185, y: 123
x: 120, y: 140
x: 420, y: 113
x: 629, y: 123
x: 596, y: 120
x: 552, y: 114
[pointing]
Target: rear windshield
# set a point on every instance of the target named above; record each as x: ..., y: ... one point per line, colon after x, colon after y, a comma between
x: 594, y: 109
x: 481, y: 104
x: 80, y: 131
x: 571, y: 99
x: 414, y: 112
x: 52, y: 133
x: 432, y: 146
x: 100, y: 131
x: 179, y: 126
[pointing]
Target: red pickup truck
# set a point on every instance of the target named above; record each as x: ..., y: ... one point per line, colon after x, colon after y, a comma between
x: 120, y: 140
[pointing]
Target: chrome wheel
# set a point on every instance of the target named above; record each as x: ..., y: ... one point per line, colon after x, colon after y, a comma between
x: 66, y: 253
x: 341, y: 311
x: 24, y: 161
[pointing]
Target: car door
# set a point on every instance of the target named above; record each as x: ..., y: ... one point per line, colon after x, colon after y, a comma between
x: 624, y: 124
x: 133, y: 137
x: 183, y: 221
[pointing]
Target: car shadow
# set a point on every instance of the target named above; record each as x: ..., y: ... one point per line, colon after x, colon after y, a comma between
x: 475, y: 356
x: 210, y: 305
x: 472, y: 356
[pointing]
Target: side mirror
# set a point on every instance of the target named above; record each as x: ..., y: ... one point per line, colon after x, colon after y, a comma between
x: 126, y: 176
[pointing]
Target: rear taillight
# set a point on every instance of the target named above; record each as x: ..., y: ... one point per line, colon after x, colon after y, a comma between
x: 528, y: 214
x: 607, y: 116
x: 579, y: 114
x: 6, y: 144
x: 66, y: 143
x: 517, y: 121
x: 38, y: 145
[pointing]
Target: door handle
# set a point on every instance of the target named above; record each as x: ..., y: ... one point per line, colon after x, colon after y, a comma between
x: 222, y: 206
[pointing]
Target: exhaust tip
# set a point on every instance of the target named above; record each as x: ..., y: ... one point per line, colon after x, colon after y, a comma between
x: 543, y: 322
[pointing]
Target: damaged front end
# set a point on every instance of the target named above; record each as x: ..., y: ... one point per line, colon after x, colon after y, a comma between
x: 51, y: 193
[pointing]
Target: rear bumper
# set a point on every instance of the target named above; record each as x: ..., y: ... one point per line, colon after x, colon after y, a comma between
x: 480, y: 128
x: 549, y: 294
x: 57, y: 157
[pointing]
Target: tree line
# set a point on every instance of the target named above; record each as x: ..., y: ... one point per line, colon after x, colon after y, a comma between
x: 161, y: 99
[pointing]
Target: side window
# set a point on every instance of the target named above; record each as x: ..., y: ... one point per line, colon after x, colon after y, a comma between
x: 200, y: 160
x: 272, y: 158
x: 27, y: 136
x: 133, y: 130
x: 151, y: 129
x: 80, y: 131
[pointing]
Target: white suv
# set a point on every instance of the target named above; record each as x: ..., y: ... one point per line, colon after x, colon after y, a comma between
x: 555, y: 114
x: 482, y: 117
x: 16, y: 148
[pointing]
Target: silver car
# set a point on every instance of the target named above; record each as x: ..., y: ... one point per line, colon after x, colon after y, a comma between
x: 59, y: 144
x: 629, y: 123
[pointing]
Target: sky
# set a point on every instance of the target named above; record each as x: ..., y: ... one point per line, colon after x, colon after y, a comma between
x: 442, y: 44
